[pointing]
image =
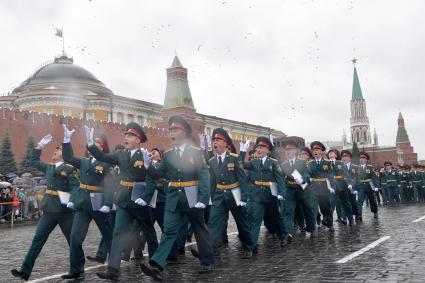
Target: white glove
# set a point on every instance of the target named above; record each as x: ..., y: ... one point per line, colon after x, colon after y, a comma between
x: 279, y: 197
x: 299, y: 181
x: 89, y: 135
x: 332, y: 191
x: 201, y: 141
x: 350, y: 187
x: 45, y: 140
x: 200, y: 205
x: 399, y: 186
x: 67, y: 134
x: 147, y: 156
x: 376, y: 189
x: 209, y: 142
x: 243, y: 147
x: 355, y: 192
x: 70, y: 205
x: 105, y: 209
x: 242, y: 203
x: 140, y: 202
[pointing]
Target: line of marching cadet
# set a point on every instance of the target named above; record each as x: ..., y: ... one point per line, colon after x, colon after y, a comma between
x: 190, y: 191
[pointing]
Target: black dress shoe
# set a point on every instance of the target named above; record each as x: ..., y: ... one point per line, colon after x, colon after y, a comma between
x: 194, y: 252
x: 247, y: 254
x: 289, y: 238
x: 216, y: 252
x: 343, y: 221
x: 20, y: 274
x: 111, y: 274
x: 172, y: 259
x: 283, y: 243
x: 350, y: 222
x: 205, y: 269
x: 96, y: 259
x: 375, y: 215
x: 255, y: 250
x: 152, y: 271
x: 71, y: 276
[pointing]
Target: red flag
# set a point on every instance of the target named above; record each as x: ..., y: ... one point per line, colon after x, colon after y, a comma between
x: 59, y: 32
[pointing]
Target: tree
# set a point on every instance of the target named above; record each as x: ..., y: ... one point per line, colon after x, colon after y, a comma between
x: 26, y: 165
x: 7, y: 159
x: 356, y: 152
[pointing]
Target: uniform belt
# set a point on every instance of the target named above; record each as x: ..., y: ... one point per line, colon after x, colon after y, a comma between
x: 403, y: 181
x: 130, y: 185
x: 91, y: 188
x: 292, y: 183
x: 339, y: 178
x: 159, y: 184
x: 228, y: 187
x: 382, y: 183
x: 183, y: 184
x: 260, y: 183
x: 390, y: 181
x: 52, y: 193
x: 417, y: 181
x: 318, y: 180
x: 365, y: 181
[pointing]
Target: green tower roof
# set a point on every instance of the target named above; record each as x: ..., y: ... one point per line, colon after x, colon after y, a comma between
x: 357, y: 91
x: 177, y: 93
x: 402, y: 136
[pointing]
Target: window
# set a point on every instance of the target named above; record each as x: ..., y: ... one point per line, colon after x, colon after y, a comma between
x: 120, y: 118
x: 48, y: 110
x: 66, y: 112
x: 130, y: 118
x: 107, y: 118
x: 140, y: 120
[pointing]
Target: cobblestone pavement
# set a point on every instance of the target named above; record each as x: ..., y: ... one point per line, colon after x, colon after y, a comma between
x: 399, y: 258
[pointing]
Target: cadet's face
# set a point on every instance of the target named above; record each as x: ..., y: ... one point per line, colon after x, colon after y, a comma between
x: 332, y: 155
x: 177, y: 136
x: 57, y: 155
x: 346, y: 158
x: 291, y: 151
x: 131, y: 141
x: 363, y: 159
x: 304, y: 156
x: 262, y: 151
x: 219, y: 146
x: 317, y: 152
x: 156, y: 155
x: 387, y: 167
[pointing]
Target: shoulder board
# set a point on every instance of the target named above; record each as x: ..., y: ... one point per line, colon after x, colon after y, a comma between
x: 51, y: 163
x: 168, y: 150
x: 211, y: 158
x: 233, y: 154
x: 273, y: 159
x: 311, y: 160
x: 69, y: 165
x: 326, y: 159
x: 194, y: 147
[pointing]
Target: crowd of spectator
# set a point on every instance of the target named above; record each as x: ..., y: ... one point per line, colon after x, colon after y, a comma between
x: 20, y: 197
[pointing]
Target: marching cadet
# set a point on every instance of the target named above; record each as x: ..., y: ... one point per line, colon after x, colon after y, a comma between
x: 404, y: 184
x: 320, y: 171
x: 188, y: 194
x: 367, y: 185
x: 60, y: 177
x: 131, y: 207
x: 341, y: 187
x: 417, y: 182
x: 297, y: 193
x: 92, y: 174
x: 268, y: 190
x: 390, y: 181
x: 350, y: 173
x: 230, y: 193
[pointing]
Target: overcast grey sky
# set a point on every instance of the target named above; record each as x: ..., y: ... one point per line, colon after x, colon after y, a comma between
x: 283, y: 64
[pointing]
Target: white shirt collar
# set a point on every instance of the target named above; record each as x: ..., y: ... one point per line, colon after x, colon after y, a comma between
x: 93, y: 160
x: 223, y: 155
x: 263, y: 160
x: 57, y: 164
x: 133, y: 151
x: 348, y: 164
x: 292, y: 160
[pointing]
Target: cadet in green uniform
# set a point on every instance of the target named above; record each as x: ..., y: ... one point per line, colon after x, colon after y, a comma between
x: 188, y: 194
x: 417, y: 179
x: 268, y: 190
x: 132, y: 170
x: 298, y: 193
x: 230, y: 193
x: 92, y: 174
x: 341, y: 187
x: 390, y: 181
x: 366, y: 177
x: 320, y: 170
x: 350, y: 173
x: 60, y: 177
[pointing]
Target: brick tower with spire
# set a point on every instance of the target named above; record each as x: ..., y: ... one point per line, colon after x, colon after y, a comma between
x: 178, y: 99
x: 359, y: 122
x: 405, y: 152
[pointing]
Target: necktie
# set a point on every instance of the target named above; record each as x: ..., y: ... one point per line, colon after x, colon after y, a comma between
x: 220, y: 161
x: 292, y: 163
x: 178, y: 153
x: 261, y: 163
x: 318, y: 162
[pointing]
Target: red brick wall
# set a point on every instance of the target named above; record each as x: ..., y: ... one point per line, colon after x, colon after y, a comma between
x: 21, y: 125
